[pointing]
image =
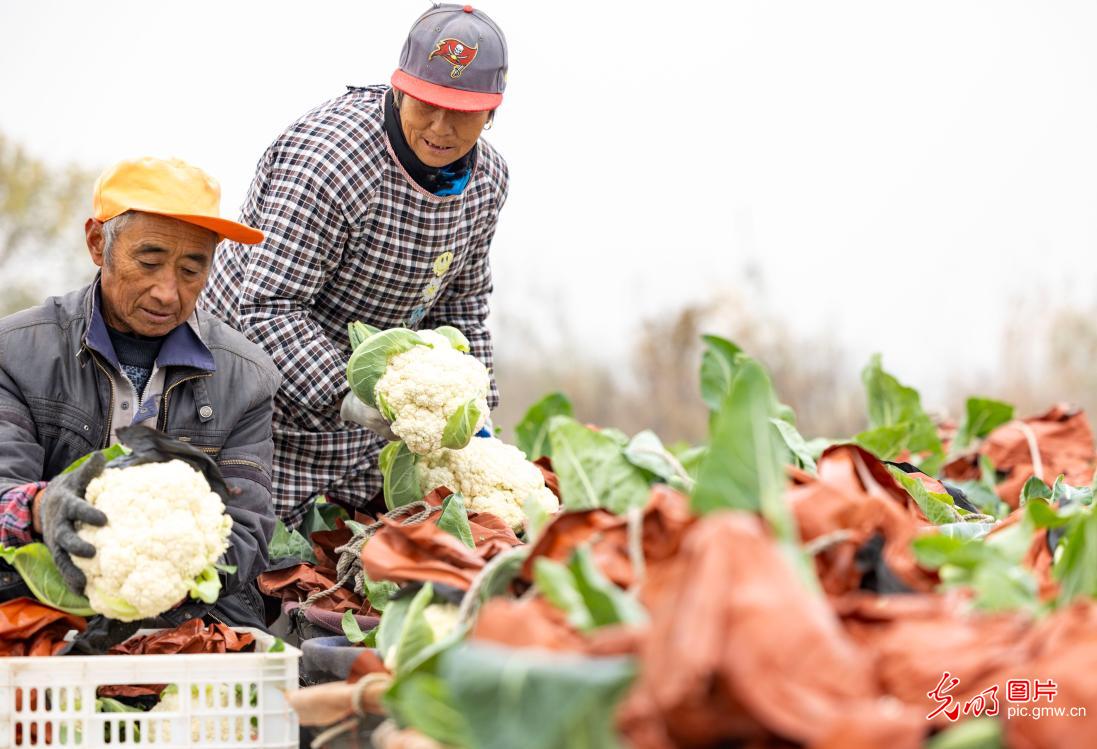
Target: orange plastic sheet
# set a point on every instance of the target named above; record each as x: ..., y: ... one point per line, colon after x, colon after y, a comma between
x: 31, y: 628
x: 535, y: 623
x: 552, y: 481
x: 298, y: 582
x: 739, y: 649
x: 1061, y: 437
x: 853, y: 499
x: 915, y: 640
x: 665, y: 520
x: 189, y: 637
x: 424, y: 552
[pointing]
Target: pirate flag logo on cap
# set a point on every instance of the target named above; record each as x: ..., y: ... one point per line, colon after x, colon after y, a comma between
x: 456, y: 53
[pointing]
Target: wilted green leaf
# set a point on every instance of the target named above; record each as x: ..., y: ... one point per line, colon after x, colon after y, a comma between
x: 1064, y: 494
x: 989, y: 566
x: 368, y: 362
x: 984, y: 499
x: 896, y: 419
x: 359, y: 331
x: 532, y: 431
x: 975, y: 733
x: 1034, y: 488
x: 744, y: 466
x: 534, y: 700
x: 399, y: 470
x: 351, y: 630
x: 646, y: 451
x: 455, y: 337
x: 718, y: 366
x: 378, y: 592
x: 421, y: 700
x: 1075, y: 565
x: 289, y: 544
x: 461, y: 426
x: 322, y: 516
x: 939, y: 507
x: 606, y: 603
x: 35, y: 565
x: 593, y: 469
x: 794, y: 441
x: 981, y: 417
x: 404, y: 629
x: 557, y: 585
x: 454, y: 519
x: 111, y: 705
x: 117, y: 450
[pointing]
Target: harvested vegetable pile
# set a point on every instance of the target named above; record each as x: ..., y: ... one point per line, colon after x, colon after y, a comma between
x: 916, y: 585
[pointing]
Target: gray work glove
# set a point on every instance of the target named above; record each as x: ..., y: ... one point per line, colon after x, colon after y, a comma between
x: 62, y: 506
x: 354, y: 410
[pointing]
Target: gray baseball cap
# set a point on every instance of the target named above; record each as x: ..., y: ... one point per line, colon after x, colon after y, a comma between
x: 455, y: 57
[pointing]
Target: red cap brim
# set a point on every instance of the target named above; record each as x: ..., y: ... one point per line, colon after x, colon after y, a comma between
x: 443, y: 96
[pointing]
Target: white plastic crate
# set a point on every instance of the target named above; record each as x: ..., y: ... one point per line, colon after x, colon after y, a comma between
x: 51, y: 701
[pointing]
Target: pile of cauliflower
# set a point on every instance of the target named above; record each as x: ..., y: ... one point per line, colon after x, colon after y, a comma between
x: 492, y: 476
x: 424, y: 387
x: 165, y: 531
x: 434, y: 394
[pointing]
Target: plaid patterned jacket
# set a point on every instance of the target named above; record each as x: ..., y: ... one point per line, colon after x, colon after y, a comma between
x: 349, y: 236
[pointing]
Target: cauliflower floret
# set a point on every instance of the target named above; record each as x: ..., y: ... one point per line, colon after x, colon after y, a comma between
x: 442, y: 618
x: 164, y: 528
x: 423, y: 387
x: 492, y: 476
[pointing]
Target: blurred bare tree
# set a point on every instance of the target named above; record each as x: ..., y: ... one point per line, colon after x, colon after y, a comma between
x: 42, y: 211
x: 1048, y: 356
x: 658, y: 387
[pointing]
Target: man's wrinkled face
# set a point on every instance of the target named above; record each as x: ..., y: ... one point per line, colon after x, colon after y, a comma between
x: 153, y: 272
x: 439, y: 136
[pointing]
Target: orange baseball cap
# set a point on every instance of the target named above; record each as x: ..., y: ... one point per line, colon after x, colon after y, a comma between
x: 167, y: 187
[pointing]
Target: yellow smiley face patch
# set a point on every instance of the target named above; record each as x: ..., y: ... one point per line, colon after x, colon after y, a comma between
x: 442, y: 263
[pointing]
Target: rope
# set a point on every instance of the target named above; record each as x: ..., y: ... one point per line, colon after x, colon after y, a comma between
x: 349, y: 566
x: 819, y: 544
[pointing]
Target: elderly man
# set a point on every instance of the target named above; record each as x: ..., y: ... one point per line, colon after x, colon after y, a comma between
x: 131, y: 349
x: 379, y: 205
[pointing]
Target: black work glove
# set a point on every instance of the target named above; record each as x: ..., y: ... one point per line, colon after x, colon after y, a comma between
x: 62, y: 506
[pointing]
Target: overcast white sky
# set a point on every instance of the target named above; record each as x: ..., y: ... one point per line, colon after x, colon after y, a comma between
x: 893, y: 169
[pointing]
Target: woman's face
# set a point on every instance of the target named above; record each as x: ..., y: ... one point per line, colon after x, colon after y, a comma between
x: 439, y: 136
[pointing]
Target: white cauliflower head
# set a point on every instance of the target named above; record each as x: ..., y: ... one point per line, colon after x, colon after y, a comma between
x: 165, y: 528
x: 424, y: 386
x: 492, y: 476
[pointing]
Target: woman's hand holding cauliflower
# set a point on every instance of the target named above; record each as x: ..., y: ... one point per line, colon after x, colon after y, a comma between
x: 425, y: 384
x: 435, y: 396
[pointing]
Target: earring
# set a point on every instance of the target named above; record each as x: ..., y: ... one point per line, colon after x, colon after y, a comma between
x: 489, y: 123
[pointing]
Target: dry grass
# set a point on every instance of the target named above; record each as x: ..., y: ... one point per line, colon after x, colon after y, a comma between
x: 658, y: 385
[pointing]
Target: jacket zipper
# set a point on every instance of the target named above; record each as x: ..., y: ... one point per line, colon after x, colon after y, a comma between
x: 240, y: 462
x: 162, y: 422
x: 110, y: 408
x: 231, y: 461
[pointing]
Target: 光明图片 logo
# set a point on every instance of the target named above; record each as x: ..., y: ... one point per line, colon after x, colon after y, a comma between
x: 1026, y: 698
